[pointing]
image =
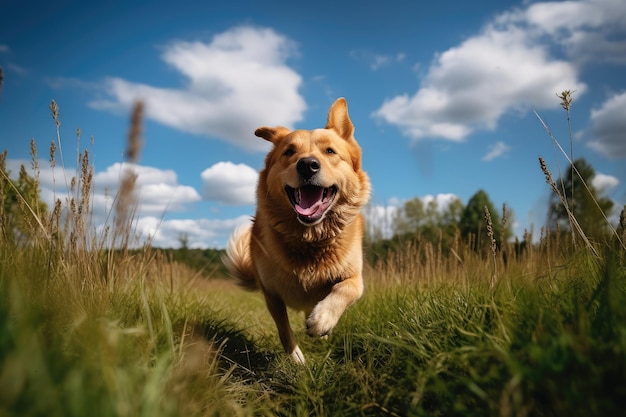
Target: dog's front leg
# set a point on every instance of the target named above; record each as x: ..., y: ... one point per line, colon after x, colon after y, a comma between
x: 326, y: 313
x: 278, y: 310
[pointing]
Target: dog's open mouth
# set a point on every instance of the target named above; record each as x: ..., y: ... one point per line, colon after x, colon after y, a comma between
x: 311, y: 201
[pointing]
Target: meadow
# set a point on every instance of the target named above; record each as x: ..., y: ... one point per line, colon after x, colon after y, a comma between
x: 90, y: 327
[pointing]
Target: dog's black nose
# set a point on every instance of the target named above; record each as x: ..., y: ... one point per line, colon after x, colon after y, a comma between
x: 307, y: 167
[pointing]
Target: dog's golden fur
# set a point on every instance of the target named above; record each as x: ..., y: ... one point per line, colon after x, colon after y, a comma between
x: 304, y: 248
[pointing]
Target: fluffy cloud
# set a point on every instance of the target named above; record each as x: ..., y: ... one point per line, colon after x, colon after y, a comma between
x: 608, y: 124
x: 229, y: 183
x: 604, y: 182
x: 587, y: 30
x: 442, y: 200
x: 157, y: 190
x: 235, y: 83
x: 379, y: 219
x: 506, y: 67
x: 201, y: 233
x: 496, y: 150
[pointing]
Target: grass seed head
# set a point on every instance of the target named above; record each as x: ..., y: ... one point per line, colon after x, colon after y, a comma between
x: 53, y: 150
x: 134, y: 135
x: 548, y: 174
x: 566, y: 99
x: 54, y: 109
x: 622, y: 223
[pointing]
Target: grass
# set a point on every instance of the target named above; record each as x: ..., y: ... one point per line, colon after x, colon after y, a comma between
x: 87, y: 329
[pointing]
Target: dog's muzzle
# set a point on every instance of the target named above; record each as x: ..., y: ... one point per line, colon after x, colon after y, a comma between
x: 310, y: 201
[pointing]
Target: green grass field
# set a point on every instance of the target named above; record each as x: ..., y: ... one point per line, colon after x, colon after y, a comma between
x: 86, y: 335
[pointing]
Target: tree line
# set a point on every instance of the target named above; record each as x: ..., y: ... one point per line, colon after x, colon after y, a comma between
x: 480, y: 224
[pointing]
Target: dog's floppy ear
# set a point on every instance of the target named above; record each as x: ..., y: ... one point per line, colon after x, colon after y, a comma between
x: 272, y: 134
x: 339, y: 120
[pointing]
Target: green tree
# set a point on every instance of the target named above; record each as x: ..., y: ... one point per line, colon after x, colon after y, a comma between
x: 473, y: 225
x: 428, y: 221
x: 409, y: 218
x: 586, y: 203
x: 21, y: 203
x: 452, y: 215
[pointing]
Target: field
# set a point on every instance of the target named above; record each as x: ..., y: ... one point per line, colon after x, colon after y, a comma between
x: 105, y: 333
x: 86, y: 329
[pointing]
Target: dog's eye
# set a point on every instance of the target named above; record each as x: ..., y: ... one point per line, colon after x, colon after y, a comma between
x: 289, y: 152
x: 330, y: 151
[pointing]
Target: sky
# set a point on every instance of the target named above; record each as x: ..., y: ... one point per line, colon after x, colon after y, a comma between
x: 445, y: 98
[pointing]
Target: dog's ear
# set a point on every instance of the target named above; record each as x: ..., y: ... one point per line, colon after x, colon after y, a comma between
x: 272, y: 134
x: 339, y: 120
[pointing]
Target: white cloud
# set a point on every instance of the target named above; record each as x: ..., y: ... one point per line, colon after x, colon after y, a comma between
x: 4, y: 48
x: 443, y: 200
x: 379, y: 220
x: 235, y: 83
x: 496, y: 150
x: 201, y: 233
x: 604, y: 182
x: 158, y: 193
x: 588, y: 30
x: 377, y: 61
x: 608, y: 127
x: 229, y: 183
x: 506, y: 67
x: 157, y: 190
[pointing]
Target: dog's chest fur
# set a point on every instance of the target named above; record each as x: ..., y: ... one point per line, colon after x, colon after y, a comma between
x: 309, y: 266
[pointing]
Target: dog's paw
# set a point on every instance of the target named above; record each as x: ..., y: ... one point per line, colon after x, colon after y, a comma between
x: 321, y: 322
x: 297, y: 356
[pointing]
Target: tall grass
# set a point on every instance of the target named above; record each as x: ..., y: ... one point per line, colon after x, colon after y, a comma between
x: 88, y: 327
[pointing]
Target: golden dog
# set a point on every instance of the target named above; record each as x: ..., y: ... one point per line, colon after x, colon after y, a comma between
x: 304, y: 248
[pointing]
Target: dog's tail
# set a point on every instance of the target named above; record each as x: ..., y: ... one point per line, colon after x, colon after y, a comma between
x: 238, y: 260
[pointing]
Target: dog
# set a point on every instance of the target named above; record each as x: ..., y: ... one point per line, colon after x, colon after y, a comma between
x: 304, y: 249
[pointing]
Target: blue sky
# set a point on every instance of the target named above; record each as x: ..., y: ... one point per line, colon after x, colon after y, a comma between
x: 441, y: 93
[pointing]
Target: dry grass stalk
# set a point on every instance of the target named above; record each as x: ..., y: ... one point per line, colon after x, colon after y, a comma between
x: 55, y: 219
x: 622, y: 223
x: 566, y: 99
x: 54, y: 110
x: 126, y: 197
x: 3, y: 222
x: 566, y: 103
x: 36, y: 172
x: 493, y: 246
x: 77, y: 147
x: 134, y: 136
x: 126, y: 202
x: 505, y: 219
x: 53, y: 150
x: 575, y: 225
x: 86, y: 176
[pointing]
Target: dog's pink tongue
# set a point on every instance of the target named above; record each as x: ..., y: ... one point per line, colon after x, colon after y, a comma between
x: 310, y: 200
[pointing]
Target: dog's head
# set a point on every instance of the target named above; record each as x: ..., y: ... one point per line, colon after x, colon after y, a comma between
x: 315, y: 172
